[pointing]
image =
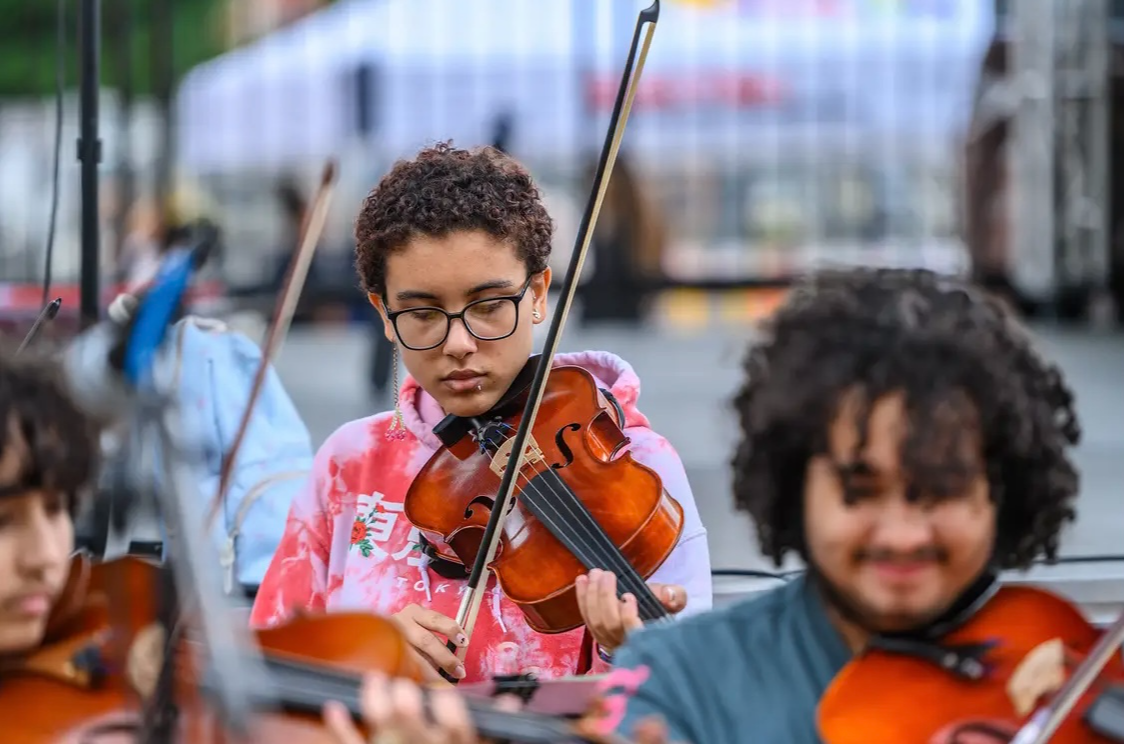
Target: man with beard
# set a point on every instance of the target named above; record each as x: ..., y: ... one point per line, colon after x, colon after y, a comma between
x: 901, y: 435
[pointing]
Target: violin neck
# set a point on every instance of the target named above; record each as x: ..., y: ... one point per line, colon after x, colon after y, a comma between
x: 305, y: 689
x: 526, y: 728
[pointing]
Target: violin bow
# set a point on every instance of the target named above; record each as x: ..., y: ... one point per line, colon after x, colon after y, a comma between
x: 311, y: 230
x: 48, y: 313
x: 626, y: 92
x: 1046, y: 721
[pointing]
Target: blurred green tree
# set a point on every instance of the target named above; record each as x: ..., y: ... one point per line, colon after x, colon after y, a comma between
x: 28, y: 47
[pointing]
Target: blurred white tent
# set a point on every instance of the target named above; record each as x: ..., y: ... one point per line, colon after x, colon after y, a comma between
x: 438, y: 69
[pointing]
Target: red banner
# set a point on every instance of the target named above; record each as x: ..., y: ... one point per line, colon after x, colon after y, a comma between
x: 720, y: 89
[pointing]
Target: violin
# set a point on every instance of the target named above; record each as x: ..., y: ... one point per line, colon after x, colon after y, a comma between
x: 982, y: 680
x: 80, y: 684
x: 582, y: 502
x: 79, y: 672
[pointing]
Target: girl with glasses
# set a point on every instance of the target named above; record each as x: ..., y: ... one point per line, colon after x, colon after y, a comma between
x: 452, y: 248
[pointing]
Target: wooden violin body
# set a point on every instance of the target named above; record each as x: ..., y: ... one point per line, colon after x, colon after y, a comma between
x: 884, y: 698
x: 575, y: 471
x: 82, y: 685
x: 79, y: 673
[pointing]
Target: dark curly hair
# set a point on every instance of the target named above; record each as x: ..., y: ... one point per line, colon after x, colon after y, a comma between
x: 57, y: 445
x: 444, y: 190
x: 943, y: 344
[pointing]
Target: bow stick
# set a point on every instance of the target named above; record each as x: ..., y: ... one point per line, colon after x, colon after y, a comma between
x: 471, y: 601
x: 312, y: 229
x: 1046, y: 721
x: 48, y: 313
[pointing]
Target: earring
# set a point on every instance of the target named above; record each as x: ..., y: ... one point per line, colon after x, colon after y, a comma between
x: 535, y: 314
x: 397, y: 430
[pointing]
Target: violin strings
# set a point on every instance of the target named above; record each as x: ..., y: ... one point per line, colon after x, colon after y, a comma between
x: 597, y: 554
x: 604, y: 553
x: 577, y: 516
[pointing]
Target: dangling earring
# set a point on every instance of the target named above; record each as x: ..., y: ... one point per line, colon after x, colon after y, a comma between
x: 397, y: 430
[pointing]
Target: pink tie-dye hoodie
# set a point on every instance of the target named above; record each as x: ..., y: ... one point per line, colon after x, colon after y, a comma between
x: 348, y: 546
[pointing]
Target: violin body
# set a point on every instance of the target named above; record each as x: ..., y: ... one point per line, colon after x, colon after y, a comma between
x: 80, y: 686
x: 78, y: 673
x: 884, y: 698
x: 311, y: 660
x: 574, y: 448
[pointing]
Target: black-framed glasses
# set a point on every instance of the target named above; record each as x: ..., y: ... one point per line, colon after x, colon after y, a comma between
x: 488, y: 319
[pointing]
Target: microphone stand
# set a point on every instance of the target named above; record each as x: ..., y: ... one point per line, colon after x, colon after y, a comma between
x: 89, y: 155
x: 236, y: 679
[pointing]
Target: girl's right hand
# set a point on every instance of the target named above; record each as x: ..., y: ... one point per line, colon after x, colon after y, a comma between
x: 419, y: 624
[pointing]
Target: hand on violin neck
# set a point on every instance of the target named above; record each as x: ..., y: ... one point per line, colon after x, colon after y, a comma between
x: 651, y: 730
x: 395, y: 710
x: 609, y: 618
x: 419, y: 625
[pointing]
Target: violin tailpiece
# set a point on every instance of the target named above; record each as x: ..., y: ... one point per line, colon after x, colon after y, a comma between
x: 79, y: 662
x: 522, y: 686
x: 491, y: 434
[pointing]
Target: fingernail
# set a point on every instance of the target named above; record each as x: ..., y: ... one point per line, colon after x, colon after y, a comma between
x: 670, y: 593
x: 461, y: 640
x: 459, y: 672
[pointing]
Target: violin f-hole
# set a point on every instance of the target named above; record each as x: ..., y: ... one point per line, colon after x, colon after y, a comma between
x: 564, y: 448
x: 486, y: 501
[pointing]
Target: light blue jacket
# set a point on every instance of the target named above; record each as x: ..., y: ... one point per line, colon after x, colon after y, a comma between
x: 214, y: 368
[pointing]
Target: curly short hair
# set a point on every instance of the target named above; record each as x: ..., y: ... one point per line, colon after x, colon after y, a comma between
x: 57, y: 443
x: 444, y: 190
x: 936, y: 339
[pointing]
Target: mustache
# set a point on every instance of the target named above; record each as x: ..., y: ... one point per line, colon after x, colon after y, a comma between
x: 884, y: 555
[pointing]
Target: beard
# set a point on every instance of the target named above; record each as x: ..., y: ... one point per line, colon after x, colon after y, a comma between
x: 932, y: 623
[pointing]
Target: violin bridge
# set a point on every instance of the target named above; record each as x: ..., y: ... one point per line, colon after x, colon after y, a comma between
x: 504, y: 453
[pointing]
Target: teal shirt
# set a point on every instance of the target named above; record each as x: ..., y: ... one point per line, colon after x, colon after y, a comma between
x: 751, y: 673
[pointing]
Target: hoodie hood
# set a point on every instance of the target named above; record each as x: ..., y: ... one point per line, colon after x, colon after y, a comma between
x: 421, y: 413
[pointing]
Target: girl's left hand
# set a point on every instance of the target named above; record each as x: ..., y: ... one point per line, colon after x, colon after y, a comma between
x: 611, y: 619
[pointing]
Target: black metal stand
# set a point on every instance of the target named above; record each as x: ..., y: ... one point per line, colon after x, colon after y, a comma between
x: 89, y: 155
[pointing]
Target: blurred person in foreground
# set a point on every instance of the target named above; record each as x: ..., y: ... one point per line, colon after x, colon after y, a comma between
x: 901, y: 434
x: 452, y: 248
x: 48, y: 457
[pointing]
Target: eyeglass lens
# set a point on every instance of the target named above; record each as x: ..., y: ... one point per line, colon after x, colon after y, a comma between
x: 487, y: 320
